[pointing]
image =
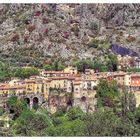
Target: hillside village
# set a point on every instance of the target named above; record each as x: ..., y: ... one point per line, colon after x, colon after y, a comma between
x: 55, y: 89
x: 69, y: 69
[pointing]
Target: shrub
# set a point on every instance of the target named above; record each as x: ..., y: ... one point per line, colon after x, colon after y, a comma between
x: 15, y: 37
x: 37, y: 13
x: 26, y: 37
x: 94, y: 26
x: 83, y: 64
x: 93, y: 43
x: 75, y: 29
x: 65, y: 35
x: 75, y: 113
x: 1, y: 111
x: 30, y: 28
x: 130, y: 38
x: 26, y: 72
x: 46, y: 31
x: 133, y: 70
x: 45, y: 20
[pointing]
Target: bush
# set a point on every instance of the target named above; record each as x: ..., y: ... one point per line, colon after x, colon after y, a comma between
x: 102, y: 44
x: 1, y: 111
x: 30, y: 28
x: 75, y: 29
x: 30, y: 123
x: 45, y: 20
x: 26, y: 72
x: 83, y: 64
x: 93, y: 43
x: 74, y: 113
x: 5, y: 72
x: 15, y: 37
x: 133, y: 70
x: 60, y: 112
x: 94, y: 26
x: 55, y: 66
x: 107, y: 94
x: 130, y: 38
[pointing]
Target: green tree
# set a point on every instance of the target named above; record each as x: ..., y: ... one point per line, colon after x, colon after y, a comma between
x: 67, y: 128
x: 5, y: 72
x: 105, y: 122
x: 16, y: 106
x: 2, y: 111
x: 72, y: 128
x: 26, y: 72
x: 128, y: 102
x: 100, y: 67
x: 30, y: 124
x: 112, y: 62
x: 107, y: 94
x: 55, y: 66
x: 133, y: 70
x: 83, y: 64
x: 100, y: 123
x: 94, y: 26
x: 74, y: 113
x: 48, y: 67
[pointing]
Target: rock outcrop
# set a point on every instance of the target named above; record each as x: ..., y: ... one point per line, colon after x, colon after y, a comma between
x: 63, y: 31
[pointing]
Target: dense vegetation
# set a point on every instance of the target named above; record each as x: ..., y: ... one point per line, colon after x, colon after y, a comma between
x: 56, y: 66
x: 109, y: 64
x: 133, y: 70
x: 26, y: 72
x: 7, y: 71
x: 101, y: 44
x: 116, y: 115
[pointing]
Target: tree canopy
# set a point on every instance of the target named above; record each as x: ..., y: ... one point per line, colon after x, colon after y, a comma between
x: 56, y: 66
x: 83, y: 64
x: 26, y: 72
x: 107, y: 94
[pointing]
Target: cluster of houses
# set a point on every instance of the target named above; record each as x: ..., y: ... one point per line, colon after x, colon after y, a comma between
x: 54, y: 87
x: 125, y: 62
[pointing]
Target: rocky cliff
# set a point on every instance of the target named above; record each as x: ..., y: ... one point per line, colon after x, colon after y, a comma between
x: 40, y: 33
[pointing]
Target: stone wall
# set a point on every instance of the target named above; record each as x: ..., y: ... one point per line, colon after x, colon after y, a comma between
x: 86, y: 102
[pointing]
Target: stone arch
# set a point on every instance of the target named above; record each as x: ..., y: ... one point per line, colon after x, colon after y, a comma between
x: 83, y: 98
x: 69, y: 103
x: 35, y: 102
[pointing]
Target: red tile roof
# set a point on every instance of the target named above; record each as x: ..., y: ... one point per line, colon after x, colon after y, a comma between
x: 56, y: 72
x: 135, y: 77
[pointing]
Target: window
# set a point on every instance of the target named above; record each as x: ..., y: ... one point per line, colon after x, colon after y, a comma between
x: 76, y: 88
x: 59, y: 86
x: 42, y: 88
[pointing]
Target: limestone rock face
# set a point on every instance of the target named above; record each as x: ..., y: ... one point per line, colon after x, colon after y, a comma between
x: 63, y: 31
